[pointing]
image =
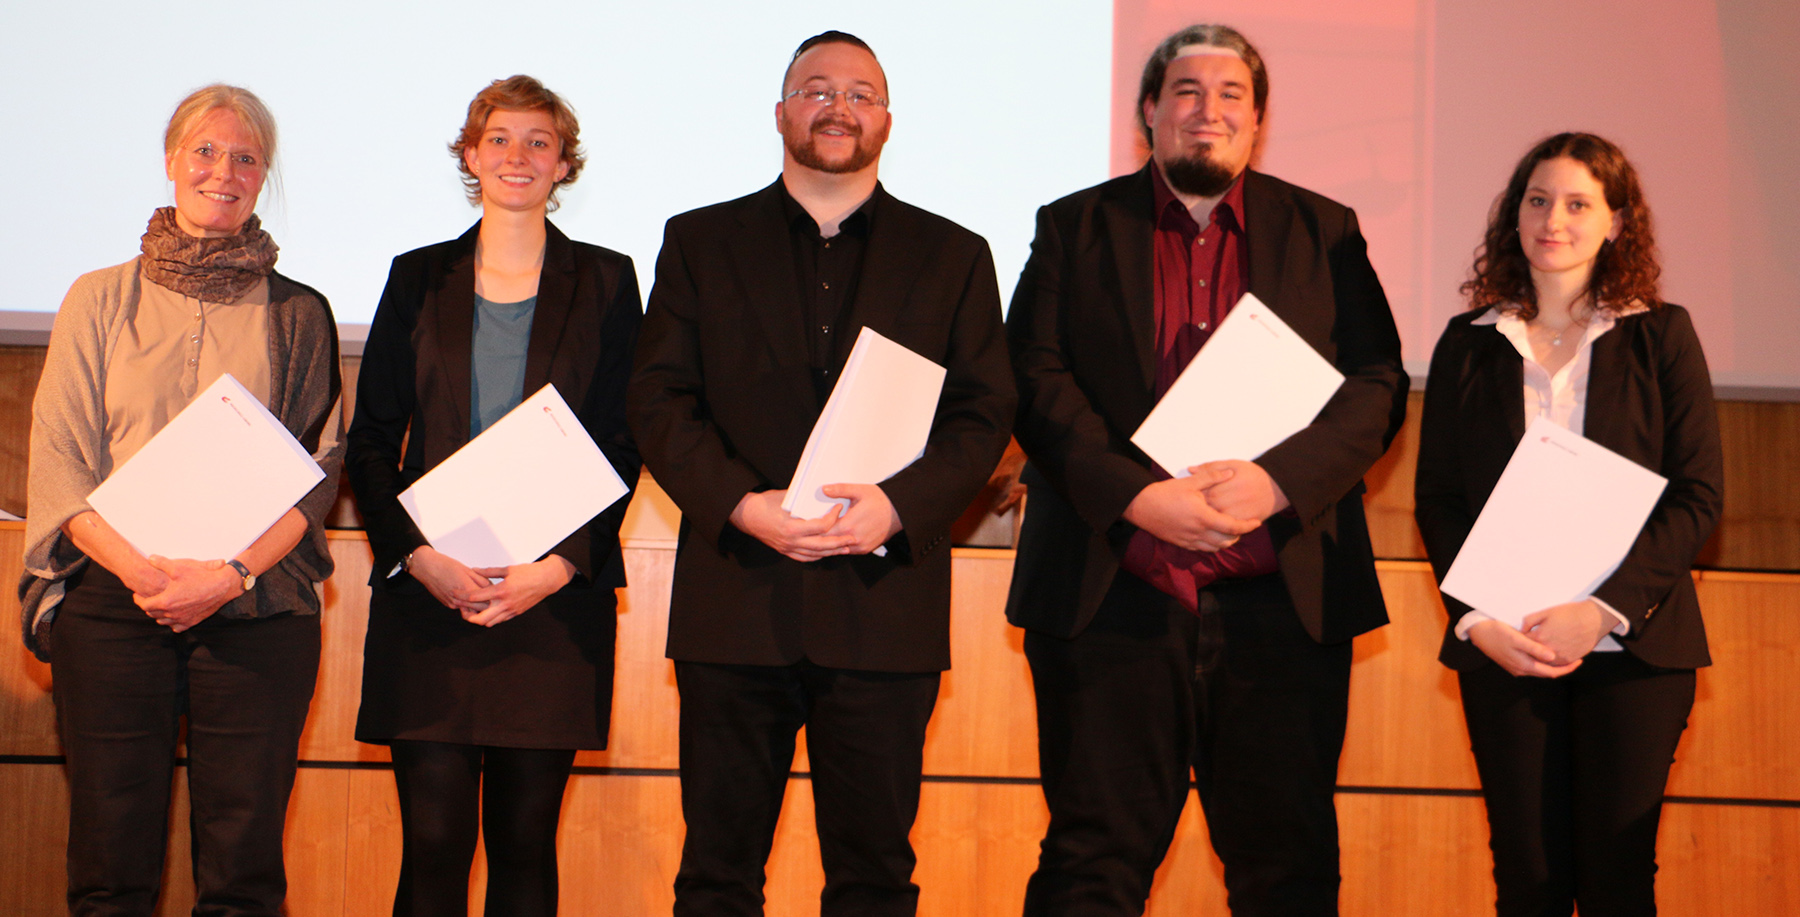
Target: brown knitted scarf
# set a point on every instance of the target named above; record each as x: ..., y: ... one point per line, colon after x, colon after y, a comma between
x: 215, y: 270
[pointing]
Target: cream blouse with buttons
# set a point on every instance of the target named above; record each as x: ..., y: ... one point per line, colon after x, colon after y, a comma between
x: 169, y: 350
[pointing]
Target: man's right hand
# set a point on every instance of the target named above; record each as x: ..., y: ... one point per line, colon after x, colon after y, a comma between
x: 761, y: 517
x: 1177, y: 512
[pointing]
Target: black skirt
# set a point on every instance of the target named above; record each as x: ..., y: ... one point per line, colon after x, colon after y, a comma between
x: 540, y: 680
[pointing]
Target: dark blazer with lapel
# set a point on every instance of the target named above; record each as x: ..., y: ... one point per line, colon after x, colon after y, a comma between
x: 416, y: 370
x: 1083, y: 335
x: 1649, y: 398
x: 723, y: 400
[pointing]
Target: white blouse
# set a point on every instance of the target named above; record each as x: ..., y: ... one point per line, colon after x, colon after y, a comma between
x: 1561, y: 398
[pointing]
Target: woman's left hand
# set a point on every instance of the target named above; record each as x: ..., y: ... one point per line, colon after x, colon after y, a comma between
x: 196, y: 589
x: 1571, y: 629
x: 521, y: 586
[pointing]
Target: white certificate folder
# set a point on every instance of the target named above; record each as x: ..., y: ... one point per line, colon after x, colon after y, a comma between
x: 511, y: 494
x: 1562, y: 517
x: 1254, y: 384
x: 874, y: 424
x: 211, y: 481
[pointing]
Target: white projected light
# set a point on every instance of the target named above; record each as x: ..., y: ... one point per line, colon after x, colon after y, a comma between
x: 997, y: 110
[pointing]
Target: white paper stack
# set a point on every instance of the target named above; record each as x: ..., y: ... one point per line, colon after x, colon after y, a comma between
x: 874, y: 424
x: 1254, y: 384
x: 1562, y: 517
x: 211, y: 481
x: 517, y: 490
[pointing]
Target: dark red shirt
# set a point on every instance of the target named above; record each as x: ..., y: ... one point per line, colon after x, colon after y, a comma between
x: 1200, y: 274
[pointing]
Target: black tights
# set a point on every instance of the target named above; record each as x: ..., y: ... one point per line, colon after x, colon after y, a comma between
x: 450, y: 792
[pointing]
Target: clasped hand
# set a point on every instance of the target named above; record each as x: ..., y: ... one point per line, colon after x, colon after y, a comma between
x: 474, y: 593
x: 1551, y: 642
x: 182, y: 593
x: 1211, y: 508
x: 866, y: 525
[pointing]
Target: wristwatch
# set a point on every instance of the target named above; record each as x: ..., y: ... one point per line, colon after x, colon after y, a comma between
x: 243, y: 571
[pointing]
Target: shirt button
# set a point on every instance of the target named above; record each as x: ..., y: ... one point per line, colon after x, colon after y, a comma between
x: 1202, y: 326
x: 195, y: 339
x: 193, y: 362
x: 1203, y: 283
x: 1202, y: 241
x: 196, y: 316
x: 828, y: 245
x: 824, y: 329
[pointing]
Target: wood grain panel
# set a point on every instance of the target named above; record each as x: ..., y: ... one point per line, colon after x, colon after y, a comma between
x: 1760, y: 528
x: 19, y: 371
x: 34, y: 832
x: 985, y: 723
x: 1406, y: 727
x: 1389, y: 504
x: 27, y: 714
x: 1728, y: 860
x: 1414, y: 855
x: 645, y: 704
x: 1745, y: 727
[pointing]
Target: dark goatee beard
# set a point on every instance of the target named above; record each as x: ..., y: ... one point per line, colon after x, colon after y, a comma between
x: 806, y: 152
x: 1198, y: 175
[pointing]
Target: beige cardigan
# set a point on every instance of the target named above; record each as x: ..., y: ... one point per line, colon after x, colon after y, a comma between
x: 68, y: 435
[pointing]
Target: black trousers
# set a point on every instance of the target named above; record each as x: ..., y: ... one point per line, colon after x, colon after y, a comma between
x: 865, y: 740
x: 1240, y: 696
x: 122, y: 683
x: 1573, y: 770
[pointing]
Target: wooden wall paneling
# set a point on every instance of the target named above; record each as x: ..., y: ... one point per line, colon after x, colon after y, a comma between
x: 27, y: 713
x: 977, y: 845
x: 1742, y: 736
x: 1728, y: 860
x: 316, y: 843
x: 331, y: 725
x: 371, y: 843
x: 1406, y: 727
x: 985, y: 723
x: 19, y: 371
x: 1415, y: 856
x: 1389, y: 504
x: 34, y: 832
x: 620, y: 845
x: 1191, y: 879
x: 1760, y: 528
x: 645, y: 704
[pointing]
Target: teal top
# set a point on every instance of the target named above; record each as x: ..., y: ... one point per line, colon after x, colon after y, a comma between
x: 497, y: 379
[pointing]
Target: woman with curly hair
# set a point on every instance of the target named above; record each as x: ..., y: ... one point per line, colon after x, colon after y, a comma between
x: 1575, y: 716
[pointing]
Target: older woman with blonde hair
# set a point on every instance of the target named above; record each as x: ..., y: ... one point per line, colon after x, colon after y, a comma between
x: 483, y: 682
x: 135, y: 642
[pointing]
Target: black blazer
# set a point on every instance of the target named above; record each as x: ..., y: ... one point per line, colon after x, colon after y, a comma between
x: 416, y: 375
x: 1083, y: 335
x: 1649, y: 398
x: 723, y: 400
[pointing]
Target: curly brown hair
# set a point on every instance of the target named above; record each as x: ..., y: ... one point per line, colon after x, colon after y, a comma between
x: 1626, y: 271
x: 518, y: 93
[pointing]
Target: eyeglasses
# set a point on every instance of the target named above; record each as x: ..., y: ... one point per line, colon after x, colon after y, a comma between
x: 855, y: 97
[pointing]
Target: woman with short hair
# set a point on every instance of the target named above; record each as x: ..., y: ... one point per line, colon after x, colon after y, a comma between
x: 484, y: 682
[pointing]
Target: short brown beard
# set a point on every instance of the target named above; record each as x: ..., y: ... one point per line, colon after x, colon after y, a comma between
x: 1198, y: 174
x: 806, y: 151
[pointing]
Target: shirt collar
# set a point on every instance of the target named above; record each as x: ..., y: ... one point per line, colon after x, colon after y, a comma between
x: 1171, y: 213
x: 857, y: 223
x: 1508, y: 323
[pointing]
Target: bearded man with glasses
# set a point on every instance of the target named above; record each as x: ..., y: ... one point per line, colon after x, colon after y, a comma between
x: 840, y: 623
